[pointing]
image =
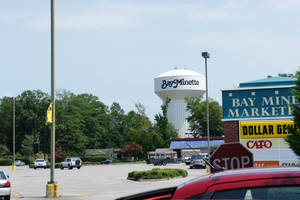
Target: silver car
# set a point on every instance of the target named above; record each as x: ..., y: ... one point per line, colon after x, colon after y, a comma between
x: 40, y: 163
x: 19, y: 163
x: 5, y: 190
x: 197, y: 161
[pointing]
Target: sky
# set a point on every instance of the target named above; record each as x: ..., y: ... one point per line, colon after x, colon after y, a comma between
x: 114, y: 49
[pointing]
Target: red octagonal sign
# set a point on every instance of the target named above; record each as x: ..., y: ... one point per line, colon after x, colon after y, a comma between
x: 232, y: 156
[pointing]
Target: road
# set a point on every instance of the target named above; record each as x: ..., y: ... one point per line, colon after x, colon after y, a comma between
x: 91, y: 182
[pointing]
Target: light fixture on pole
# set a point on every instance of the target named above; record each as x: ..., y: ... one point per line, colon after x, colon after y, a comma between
x: 206, y: 55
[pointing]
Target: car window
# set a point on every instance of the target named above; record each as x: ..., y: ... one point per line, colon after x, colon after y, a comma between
x: 197, y: 157
x: 2, y: 175
x: 230, y: 194
x: 269, y: 193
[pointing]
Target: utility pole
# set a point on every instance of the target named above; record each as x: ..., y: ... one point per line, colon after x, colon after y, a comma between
x: 52, y: 186
x: 206, y: 55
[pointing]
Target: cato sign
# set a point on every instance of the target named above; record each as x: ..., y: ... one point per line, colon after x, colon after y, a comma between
x: 259, y: 144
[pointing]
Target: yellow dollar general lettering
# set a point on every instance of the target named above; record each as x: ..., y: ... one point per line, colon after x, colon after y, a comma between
x: 265, y: 129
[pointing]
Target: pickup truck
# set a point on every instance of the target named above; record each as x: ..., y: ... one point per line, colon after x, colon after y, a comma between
x: 71, y: 162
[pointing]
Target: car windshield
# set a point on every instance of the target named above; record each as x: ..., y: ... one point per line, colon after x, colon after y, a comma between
x: 40, y: 160
x: 2, y: 175
x: 197, y: 157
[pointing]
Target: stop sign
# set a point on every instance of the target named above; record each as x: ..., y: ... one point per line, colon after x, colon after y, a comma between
x: 232, y: 156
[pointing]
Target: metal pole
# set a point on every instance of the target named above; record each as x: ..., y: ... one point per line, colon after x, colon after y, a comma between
x: 14, y: 130
x: 52, y: 92
x: 207, y: 110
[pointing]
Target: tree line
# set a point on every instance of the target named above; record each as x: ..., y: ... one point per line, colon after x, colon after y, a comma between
x: 84, y: 122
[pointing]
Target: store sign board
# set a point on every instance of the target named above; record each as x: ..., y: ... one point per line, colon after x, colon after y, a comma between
x: 257, y: 103
x: 266, y: 163
x: 261, y: 144
x: 265, y: 129
x: 290, y: 163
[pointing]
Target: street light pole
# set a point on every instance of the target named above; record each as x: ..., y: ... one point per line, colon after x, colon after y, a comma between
x: 52, y: 186
x: 206, y: 55
x: 14, y: 133
x: 52, y: 91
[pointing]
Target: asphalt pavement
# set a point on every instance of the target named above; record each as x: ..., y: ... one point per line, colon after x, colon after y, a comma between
x: 92, y: 182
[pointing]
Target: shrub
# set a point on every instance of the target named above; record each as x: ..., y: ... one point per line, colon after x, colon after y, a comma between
x: 57, y: 165
x: 5, y: 162
x: 95, y: 158
x: 157, y: 173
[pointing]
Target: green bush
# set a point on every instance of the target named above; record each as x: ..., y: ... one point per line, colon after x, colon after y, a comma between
x: 57, y: 165
x: 5, y: 161
x: 95, y: 158
x: 157, y: 173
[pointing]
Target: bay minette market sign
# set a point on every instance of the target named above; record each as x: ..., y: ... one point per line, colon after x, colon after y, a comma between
x: 257, y: 103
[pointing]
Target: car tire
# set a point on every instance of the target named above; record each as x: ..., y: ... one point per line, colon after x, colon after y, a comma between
x: 45, y: 167
x: 70, y: 167
x: 34, y: 168
x: 78, y: 167
x: 7, y: 197
x: 61, y: 167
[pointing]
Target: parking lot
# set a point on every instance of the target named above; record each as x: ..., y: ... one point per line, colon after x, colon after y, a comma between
x: 92, y: 182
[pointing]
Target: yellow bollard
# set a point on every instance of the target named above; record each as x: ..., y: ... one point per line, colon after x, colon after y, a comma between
x: 52, y: 190
x: 208, y: 169
x: 49, y: 190
x: 14, y: 167
x: 56, y: 187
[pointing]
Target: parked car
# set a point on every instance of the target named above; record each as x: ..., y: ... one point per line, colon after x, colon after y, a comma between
x: 187, y: 160
x: 251, y: 183
x: 5, y: 189
x: 71, y: 162
x: 197, y: 161
x: 109, y: 160
x: 18, y: 163
x: 40, y: 163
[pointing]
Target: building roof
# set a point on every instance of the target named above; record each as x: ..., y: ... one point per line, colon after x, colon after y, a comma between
x: 273, y: 81
x: 179, y: 72
x: 195, y: 143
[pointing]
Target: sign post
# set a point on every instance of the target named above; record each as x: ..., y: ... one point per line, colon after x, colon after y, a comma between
x: 232, y: 156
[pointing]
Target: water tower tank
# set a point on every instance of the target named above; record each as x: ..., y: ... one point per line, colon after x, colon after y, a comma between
x: 176, y: 85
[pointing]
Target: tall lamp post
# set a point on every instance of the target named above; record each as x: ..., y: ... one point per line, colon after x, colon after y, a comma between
x: 206, y: 55
x: 52, y: 186
x: 14, y: 133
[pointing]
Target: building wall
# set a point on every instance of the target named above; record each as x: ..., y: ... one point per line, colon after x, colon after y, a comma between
x: 231, y: 131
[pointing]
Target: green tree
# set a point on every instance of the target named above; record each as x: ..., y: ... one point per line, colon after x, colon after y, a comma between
x: 117, y: 121
x: 294, y: 138
x: 6, y: 122
x: 198, y: 119
x: 27, y: 146
x: 163, y: 127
